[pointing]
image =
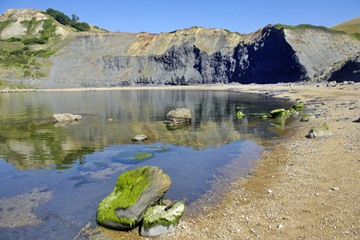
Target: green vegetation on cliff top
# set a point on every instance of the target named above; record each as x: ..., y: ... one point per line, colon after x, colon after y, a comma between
x: 67, y: 21
x: 26, y: 56
x: 351, y: 27
x: 307, y: 26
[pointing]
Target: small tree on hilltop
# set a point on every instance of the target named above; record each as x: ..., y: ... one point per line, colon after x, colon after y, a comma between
x: 74, y: 18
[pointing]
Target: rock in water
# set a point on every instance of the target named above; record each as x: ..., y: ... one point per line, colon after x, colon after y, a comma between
x: 319, y: 132
x: 178, y: 118
x: 240, y: 115
x: 65, y: 117
x: 135, y: 191
x: 280, y: 113
x: 160, y: 219
x: 139, y: 138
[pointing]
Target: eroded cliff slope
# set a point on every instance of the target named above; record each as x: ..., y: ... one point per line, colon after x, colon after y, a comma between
x: 193, y: 56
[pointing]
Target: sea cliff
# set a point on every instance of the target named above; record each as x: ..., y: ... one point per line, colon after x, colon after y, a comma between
x: 275, y: 53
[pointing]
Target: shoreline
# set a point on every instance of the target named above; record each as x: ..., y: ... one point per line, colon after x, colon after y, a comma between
x: 160, y: 87
x: 301, y: 189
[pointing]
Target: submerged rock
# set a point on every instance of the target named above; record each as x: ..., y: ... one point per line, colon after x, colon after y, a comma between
x: 135, y: 191
x: 319, y: 132
x: 178, y: 118
x: 65, y: 117
x: 161, y: 219
x: 259, y: 115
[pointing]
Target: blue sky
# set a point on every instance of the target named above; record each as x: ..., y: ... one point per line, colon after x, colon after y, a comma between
x: 167, y: 15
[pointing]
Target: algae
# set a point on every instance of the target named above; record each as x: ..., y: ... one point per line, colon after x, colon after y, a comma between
x: 142, y: 155
x: 259, y: 115
x: 298, y: 105
x: 240, y: 115
x: 306, y: 117
x: 280, y: 113
x: 162, y: 215
x: 323, y: 127
x: 128, y: 189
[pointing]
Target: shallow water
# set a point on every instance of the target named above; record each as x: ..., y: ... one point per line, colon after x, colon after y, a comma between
x: 53, y: 177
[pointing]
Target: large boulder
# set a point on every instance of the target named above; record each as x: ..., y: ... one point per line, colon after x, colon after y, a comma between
x: 178, y: 118
x: 161, y: 219
x: 135, y: 191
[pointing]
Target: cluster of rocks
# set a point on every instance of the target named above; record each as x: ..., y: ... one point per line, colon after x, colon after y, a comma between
x: 137, y: 200
x: 315, y: 132
x: 278, y: 116
x: 334, y: 83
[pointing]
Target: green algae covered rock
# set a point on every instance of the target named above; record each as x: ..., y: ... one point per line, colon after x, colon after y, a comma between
x: 240, y: 115
x: 135, y: 191
x: 298, y: 106
x: 306, y: 117
x: 280, y: 113
x: 161, y: 219
x: 319, y: 132
x: 259, y: 115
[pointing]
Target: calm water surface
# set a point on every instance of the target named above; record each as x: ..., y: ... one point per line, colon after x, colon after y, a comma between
x: 53, y: 177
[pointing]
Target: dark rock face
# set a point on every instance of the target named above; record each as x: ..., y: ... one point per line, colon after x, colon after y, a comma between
x: 349, y: 71
x: 270, y: 59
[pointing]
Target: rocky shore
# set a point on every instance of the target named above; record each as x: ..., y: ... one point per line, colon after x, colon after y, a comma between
x: 302, y: 189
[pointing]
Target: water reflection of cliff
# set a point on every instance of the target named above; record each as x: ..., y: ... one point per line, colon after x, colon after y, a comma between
x: 29, y: 140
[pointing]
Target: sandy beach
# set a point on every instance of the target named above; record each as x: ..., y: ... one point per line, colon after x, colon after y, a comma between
x: 302, y: 189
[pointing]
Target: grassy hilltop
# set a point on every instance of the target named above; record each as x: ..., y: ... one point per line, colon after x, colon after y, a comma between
x: 29, y: 37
